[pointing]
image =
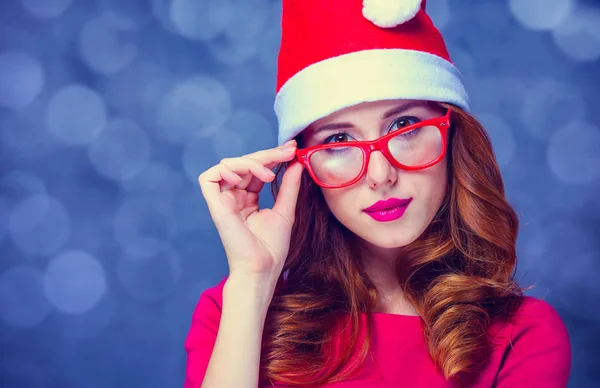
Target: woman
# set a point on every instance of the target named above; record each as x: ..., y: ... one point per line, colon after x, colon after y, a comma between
x: 388, y: 257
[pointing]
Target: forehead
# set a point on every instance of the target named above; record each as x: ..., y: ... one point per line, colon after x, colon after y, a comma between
x: 369, y: 111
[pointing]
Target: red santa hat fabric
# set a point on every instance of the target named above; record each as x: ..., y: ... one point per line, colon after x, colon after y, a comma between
x: 339, y: 53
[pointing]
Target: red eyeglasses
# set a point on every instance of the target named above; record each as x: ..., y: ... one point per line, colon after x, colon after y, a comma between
x: 415, y: 147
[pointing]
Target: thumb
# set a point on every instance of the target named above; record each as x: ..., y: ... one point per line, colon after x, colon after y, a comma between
x: 285, y: 203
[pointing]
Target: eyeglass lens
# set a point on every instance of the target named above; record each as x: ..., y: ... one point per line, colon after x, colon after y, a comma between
x: 342, y: 164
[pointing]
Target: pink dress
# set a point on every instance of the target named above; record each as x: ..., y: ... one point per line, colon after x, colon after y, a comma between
x: 532, y: 351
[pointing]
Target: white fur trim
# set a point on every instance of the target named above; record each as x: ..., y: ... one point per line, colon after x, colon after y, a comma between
x: 390, y: 13
x: 361, y: 76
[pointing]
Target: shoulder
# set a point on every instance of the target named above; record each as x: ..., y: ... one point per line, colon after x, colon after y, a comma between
x: 536, y: 346
x: 536, y: 317
x: 536, y: 323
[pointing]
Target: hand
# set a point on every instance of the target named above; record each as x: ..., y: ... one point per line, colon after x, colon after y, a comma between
x: 256, y: 241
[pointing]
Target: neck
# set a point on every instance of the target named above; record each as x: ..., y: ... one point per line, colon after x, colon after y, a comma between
x: 380, y: 264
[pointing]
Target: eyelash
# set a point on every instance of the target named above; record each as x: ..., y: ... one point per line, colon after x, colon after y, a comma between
x: 409, y: 118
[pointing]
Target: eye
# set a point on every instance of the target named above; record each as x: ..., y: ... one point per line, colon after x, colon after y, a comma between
x: 403, y: 121
x: 337, y: 138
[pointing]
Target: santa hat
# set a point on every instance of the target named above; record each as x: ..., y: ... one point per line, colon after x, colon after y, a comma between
x: 338, y: 53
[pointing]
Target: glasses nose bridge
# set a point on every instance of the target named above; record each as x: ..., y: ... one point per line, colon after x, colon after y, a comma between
x: 376, y: 145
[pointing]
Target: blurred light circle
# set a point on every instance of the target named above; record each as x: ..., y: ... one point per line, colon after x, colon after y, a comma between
x: 228, y: 144
x: 464, y: 61
x: 76, y: 114
x: 244, y: 132
x: 22, y: 132
x: 439, y: 12
x: 161, y: 12
x: 141, y: 217
x: 549, y: 241
x: 506, y: 99
x: 503, y: 140
x: 547, y: 245
x: 180, y: 306
x: 19, y: 184
x: 90, y: 324
x: 250, y: 91
x: 101, y: 47
x: 541, y: 14
x: 579, y: 35
x: 22, y: 301
x: 578, y: 277
x: 74, y: 282
x: 128, y: 87
x: 197, y: 156
x: 132, y: 14
x: 39, y: 225
x: 247, y: 20
x: 155, y: 180
x: 151, y: 99
x: 196, y: 106
x: 118, y: 21
x: 268, y: 49
x: 46, y: 8
x: 232, y: 52
x: 21, y: 79
x: 94, y: 232
x: 200, y: 20
x: 4, y: 214
x: 192, y: 213
x: 572, y: 153
x: 545, y: 104
x: 270, y: 39
x: 149, y: 269
x: 121, y: 151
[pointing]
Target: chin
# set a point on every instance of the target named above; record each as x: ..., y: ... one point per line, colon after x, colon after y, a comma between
x: 389, y: 238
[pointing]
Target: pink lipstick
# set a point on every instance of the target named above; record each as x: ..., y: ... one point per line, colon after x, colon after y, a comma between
x: 388, y: 210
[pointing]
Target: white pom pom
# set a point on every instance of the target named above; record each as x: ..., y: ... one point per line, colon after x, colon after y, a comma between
x: 390, y: 13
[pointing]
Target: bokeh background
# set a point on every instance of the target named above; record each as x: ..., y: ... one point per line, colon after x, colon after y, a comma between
x: 110, y: 109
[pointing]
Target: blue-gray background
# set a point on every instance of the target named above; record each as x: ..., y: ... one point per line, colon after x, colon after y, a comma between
x: 109, y: 110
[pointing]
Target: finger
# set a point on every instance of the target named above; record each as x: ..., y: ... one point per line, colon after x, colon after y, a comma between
x: 256, y: 185
x: 244, y: 166
x: 228, y: 174
x: 230, y: 178
x: 252, y: 184
x: 274, y: 156
x: 210, y: 183
x: 285, y: 203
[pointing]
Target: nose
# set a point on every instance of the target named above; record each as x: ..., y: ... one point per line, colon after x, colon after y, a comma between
x: 380, y: 172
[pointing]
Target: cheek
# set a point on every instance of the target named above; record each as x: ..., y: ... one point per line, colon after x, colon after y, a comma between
x: 335, y: 199
x: 433, y: 185
x: 428, y: 186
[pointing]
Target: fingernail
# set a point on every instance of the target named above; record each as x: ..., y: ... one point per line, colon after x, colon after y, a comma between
x: 289, y: 142
x: 269, y: 171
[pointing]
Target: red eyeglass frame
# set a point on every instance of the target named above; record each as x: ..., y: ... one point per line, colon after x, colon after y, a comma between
x: 367, y: 146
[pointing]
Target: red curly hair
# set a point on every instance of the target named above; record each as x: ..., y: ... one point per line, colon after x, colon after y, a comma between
x: 459, y: 274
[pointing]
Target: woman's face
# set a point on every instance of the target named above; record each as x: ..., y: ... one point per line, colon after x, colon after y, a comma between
x: 424, y: 188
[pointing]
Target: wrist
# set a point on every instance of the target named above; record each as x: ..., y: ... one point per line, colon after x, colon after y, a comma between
x: 252, y: 291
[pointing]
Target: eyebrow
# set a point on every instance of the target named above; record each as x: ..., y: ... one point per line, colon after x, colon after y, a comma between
x: 386, y: 115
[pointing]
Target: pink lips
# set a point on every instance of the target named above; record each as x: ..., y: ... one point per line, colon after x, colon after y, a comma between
x: 388, y: 210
